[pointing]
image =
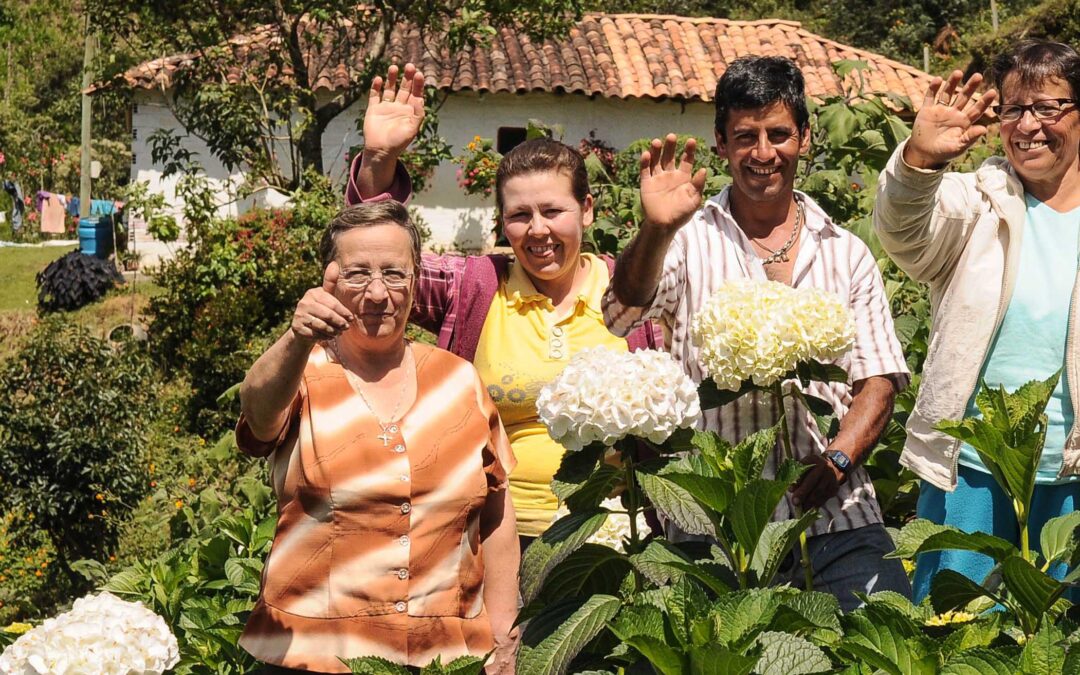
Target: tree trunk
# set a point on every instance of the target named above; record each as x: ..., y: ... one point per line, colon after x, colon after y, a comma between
x: 310, y: 146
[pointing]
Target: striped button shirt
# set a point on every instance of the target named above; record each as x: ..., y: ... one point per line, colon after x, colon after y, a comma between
x: 710, y: 250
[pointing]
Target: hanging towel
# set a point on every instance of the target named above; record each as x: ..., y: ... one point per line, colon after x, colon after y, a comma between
x: 52, y: 215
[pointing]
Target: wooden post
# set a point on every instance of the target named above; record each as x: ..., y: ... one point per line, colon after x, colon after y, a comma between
x: 926, y: 58
x: 993, y: 15
x: 90, y: 47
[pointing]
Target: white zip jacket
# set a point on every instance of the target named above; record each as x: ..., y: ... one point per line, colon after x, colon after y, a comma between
x: 959, y: 233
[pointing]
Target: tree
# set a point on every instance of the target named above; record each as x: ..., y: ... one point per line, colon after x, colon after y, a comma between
x: 1047, y: 20
x: 40, y: 66
x: 250, y: 88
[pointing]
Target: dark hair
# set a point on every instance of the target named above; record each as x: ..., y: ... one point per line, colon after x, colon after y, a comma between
x: 758, y: 81
x: 538, y: 155
x: 1035, y: 62
x: 368, y: 214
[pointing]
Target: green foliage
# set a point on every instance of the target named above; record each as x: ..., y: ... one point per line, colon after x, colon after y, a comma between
x: 25, y: 556
x: 225, y: 296
x: 715, y: 608
x: 75, y: 280
x: 139, y: 202
x: 677, y: 608
x: 41, y: 53
x: 273, y: 124
x: 373, y: 665
x: 206, y: 583
x: 72, y: 423
x: 1009, y: 438
x: 1045, y: 19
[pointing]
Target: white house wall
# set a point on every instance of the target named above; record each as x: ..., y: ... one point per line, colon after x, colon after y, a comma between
x: 456, y: 220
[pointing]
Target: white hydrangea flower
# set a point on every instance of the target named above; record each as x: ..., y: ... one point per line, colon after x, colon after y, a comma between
x: 102, y: 634
x: 616, y: 529
x: 605, y: 396
x: 759, y: 330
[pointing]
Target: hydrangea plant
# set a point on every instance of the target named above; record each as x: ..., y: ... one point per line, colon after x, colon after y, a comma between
x: 100, y: 634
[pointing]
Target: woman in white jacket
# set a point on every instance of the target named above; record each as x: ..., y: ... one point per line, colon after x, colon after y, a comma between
x: 999, y: 249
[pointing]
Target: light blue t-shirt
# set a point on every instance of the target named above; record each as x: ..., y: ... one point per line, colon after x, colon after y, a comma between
x: 1030, y: 344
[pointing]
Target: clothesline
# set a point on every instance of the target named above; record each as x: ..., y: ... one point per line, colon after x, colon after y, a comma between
x: 52, y: 208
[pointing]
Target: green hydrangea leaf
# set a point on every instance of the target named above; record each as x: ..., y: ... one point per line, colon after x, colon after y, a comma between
x: 555, y: 636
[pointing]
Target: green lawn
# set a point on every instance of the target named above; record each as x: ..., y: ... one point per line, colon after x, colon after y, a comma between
x: 18, y: 297
x: 17, y: 269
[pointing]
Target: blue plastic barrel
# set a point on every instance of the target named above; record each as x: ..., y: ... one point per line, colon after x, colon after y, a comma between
x: 96, y: 236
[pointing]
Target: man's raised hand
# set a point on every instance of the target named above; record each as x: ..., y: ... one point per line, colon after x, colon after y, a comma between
x: 670, y: 192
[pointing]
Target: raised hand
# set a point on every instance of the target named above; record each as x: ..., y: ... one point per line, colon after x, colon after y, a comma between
x: 670, y: 194
x: 394, y: 112
x: 948, y: 122
x: 320, y: 315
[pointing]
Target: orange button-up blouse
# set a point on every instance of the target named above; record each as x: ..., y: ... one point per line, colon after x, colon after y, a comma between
x: 377, y: 550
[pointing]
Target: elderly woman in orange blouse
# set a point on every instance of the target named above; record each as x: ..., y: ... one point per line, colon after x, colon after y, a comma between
x: 396, y: 533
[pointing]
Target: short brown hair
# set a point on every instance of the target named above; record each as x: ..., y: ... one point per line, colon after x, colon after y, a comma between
x: 368, y: 214
x: 1035, y: 62
x: 539, y: 155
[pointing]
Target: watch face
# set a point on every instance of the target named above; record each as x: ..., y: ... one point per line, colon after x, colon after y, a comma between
x: 839, y: 459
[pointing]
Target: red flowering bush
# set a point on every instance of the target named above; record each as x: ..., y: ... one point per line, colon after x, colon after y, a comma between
x: 226, y: 296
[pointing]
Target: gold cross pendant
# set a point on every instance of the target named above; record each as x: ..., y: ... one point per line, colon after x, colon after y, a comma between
x: 385, y: 438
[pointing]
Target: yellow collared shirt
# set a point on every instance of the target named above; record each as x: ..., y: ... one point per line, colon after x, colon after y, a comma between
x: 523, y: 346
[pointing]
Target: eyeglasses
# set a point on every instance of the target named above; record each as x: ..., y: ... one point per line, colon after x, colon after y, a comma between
x: 1042, y: 110
x: 359, y: 279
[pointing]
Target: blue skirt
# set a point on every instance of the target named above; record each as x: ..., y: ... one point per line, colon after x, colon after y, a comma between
x: 979, y: 505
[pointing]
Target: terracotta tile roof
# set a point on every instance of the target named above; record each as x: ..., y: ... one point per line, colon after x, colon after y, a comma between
x: 609, y: 55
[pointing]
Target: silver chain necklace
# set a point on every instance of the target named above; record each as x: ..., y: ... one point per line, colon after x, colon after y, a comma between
x: 355, y: 380
x: 781, y: 254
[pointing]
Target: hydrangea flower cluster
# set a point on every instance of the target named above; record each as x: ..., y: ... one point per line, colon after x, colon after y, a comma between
x: 616, y: 529
x: 102, y: 634
x: 605, y: 396
x: 759, y: 330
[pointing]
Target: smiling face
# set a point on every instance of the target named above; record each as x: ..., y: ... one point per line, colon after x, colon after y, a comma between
x: 762, y: 147
x: 1043, y: 152
x: 381, y: 312
x: 544, y: 224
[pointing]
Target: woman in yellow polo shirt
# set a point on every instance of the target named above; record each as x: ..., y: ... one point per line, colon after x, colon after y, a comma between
x: 518, y: 320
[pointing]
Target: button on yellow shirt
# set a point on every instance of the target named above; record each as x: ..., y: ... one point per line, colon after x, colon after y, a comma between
x: 523, y: 346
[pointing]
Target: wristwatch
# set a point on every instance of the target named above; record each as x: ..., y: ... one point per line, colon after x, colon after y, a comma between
x: 839, y: 460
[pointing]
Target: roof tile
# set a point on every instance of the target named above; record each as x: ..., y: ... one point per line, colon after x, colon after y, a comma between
x: 609, y: 55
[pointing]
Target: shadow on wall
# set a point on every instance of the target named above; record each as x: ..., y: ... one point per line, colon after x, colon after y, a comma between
x: 474, y: 230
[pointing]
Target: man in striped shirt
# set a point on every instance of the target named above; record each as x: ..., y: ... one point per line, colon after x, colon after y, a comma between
x: 761, y: 228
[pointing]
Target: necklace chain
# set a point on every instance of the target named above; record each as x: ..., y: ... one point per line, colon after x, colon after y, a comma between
x: 355, y: 380
x: 780, y: 254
